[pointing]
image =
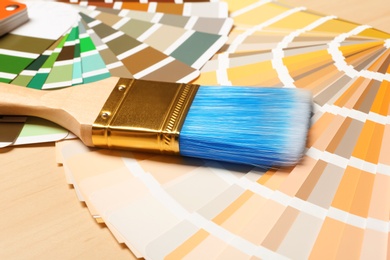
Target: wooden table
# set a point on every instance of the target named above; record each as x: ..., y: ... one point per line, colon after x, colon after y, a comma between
x: 40, y: 215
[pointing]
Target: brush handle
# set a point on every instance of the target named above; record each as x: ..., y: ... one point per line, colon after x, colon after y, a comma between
x: 74, y: 108
x: 15, y: 100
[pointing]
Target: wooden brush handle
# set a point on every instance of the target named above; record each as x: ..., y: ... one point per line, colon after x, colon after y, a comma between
x: 74, y: 108
x: 19, y: 101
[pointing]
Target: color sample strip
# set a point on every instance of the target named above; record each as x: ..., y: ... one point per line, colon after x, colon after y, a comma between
x: 259, y: 40
x: 337, y: 55
x: 362, y: 53
x: 93, y: 183
x: 302, y: 235
x: 213, y: 25
x: 321, y: 77
x: 374, y: 34
x: 345, y: 235
x: 10, y: 129
x: 37, y: 130
x: 200, y: 245
x: 40, y: 77
x: 348, y: 192
x: 245, y: 40
x: 375, y: 239
x: 190, y: 47
x: 201, y: 9
x: 289, y: 190
x: 141, y: 1
x: 382, y: 63
x: 261, y: 26
x: 284, y: 222
x: 115, y: 66
x: 61, y: 74
x: 311, y: 191
x: 369, y: 139
x: 249, y: 16
x: 340, y: 134
x: 92, y: 64
x: 296, y: 20
x: 24, y: 78
x: 324, y: 247
x: 255, y: 74
x: 235, y: 6
x: 274, y: 177
x: 77, y: 74
x: 261, y: 223
x: 332, y: 135
x: 306, y: 63
x: 280, y: 229
x: 141, y: 60
x: 17, y: 52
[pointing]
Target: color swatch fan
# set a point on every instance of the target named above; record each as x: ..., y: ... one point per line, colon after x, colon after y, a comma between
x: 66, y: 45
x: 334, y: 204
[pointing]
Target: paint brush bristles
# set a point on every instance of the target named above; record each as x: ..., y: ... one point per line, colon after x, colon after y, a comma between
x: 250, y: 125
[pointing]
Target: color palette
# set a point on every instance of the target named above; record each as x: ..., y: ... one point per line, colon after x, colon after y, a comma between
x: 334, y: 204
x: 214, y: 25
x: 23, y: 51
x: 75, y: 45
x: 186, y: 8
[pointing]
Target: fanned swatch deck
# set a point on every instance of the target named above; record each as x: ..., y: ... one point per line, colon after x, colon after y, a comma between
x: 335, y: 204
x: 67, y: 45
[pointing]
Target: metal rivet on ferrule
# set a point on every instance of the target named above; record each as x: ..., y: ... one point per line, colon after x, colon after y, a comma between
x: 105, y: 115
x: 122, y: 87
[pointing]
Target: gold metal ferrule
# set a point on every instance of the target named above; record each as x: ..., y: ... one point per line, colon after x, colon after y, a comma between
x: 143, y: 115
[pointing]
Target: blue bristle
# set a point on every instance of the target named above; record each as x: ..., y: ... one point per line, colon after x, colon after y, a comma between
x: 249, y: 125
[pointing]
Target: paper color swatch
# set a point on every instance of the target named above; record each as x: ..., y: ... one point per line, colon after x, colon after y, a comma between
x: 335, y: 204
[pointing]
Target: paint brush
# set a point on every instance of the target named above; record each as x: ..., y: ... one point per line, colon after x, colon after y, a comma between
x: 248, y: 125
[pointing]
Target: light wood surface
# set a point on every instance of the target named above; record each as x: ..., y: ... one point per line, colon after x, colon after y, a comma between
x: 40, y: 215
